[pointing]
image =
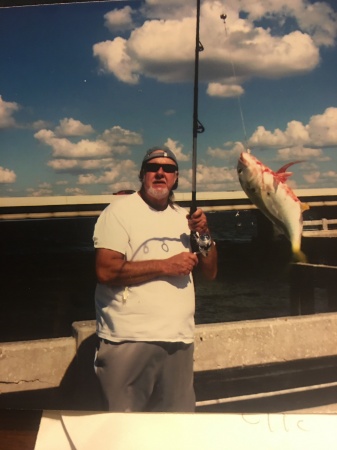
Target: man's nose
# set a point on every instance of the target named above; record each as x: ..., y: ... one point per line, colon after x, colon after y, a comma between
x: 160, y: 171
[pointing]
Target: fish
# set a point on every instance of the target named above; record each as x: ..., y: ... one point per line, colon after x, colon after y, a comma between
x: 274, y: 198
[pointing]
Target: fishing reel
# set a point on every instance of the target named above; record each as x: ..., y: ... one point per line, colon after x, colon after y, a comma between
x: 203, y: 242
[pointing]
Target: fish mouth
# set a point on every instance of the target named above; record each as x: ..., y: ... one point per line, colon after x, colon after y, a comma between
x: 242, y: 158
x: 241, y: 164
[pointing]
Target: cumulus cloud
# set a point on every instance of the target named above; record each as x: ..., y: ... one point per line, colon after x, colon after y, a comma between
x: 319, y: 132
x: 231, y: 151
x: 43, y: 190
x: 120, y: 169
x: 96, y: 161
x: 163, y: 49
x: 64, y: 148
x: 7, y: 176
x: 169, y: 9
x: 315, y: 18
x: 177, y: 150
x: 312, y: 177
x: 113, y: 57
x: 7, y: 109
x: 114, y: 141
x: 301, y: 153
x: 75, y: 191
x: 73, y: 127
x: 223, y: 90
x: 78, y: 165
x: 119, y: 19
x: 209, y: 178
x: 121, y: 139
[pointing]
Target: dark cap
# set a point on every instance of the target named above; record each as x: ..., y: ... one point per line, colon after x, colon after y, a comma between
x: 159, y: 152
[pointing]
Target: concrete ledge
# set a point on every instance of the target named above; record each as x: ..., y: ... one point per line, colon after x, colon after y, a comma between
x: 257, y: 342
x: 42, y: 364
x: 31, y: 365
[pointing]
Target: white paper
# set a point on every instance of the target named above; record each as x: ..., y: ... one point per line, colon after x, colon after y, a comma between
x: 116, y: 431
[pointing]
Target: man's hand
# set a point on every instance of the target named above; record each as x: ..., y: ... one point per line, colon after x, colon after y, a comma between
x: 198, y: 222
x: 181, y: 264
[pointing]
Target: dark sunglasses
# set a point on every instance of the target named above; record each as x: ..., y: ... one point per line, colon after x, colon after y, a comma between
x: 154, y: 167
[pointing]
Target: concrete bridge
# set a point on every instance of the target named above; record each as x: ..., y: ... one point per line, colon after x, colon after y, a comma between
x: 15, y: 208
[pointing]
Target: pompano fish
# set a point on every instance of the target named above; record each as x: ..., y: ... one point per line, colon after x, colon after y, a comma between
x: 270, y: 193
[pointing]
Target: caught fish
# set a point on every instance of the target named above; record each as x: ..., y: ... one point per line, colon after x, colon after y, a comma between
x: 270, y: 193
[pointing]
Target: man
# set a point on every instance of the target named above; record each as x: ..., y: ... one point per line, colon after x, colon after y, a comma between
x: 145, y: 297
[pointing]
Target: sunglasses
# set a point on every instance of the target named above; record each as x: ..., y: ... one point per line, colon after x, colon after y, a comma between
x: 154, y: 167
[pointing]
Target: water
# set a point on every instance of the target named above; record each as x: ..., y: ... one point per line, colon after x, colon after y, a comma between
x: 48, y: 277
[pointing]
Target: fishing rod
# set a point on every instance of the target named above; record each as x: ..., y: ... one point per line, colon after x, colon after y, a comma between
x: 203, y: 242
x: 197, y: 126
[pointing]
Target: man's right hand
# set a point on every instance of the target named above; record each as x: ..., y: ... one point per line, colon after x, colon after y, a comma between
x: 181, y: 264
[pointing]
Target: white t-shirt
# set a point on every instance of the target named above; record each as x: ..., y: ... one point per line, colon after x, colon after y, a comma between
x: 158, y: 310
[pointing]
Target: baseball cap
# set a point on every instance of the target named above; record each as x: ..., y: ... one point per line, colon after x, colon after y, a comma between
x: 159, y: 152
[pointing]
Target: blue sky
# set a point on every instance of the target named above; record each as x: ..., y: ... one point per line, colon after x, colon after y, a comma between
x: 87, y: 88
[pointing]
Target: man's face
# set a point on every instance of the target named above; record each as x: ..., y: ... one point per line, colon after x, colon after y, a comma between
x: 160, y: 175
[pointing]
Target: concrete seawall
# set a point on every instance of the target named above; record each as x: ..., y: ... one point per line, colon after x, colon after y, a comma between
x: 58, y: 373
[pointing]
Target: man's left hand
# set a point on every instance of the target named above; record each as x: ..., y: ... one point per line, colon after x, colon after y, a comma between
x: 198, y: 222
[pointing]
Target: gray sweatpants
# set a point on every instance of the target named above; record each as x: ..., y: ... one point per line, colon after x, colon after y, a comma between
x: 146, y: 376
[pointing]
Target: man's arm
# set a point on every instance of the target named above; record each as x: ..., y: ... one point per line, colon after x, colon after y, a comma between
x: 112, y: 269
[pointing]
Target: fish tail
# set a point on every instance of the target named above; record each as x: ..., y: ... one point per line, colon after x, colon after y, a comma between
x: 299, y: 256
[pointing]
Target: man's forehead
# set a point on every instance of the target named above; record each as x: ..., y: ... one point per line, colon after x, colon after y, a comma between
x: 162, y: 160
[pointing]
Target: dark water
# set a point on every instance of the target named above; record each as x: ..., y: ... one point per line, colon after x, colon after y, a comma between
x: 48, y: 278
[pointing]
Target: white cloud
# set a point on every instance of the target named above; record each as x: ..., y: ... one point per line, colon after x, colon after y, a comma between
x: 7, y: 109
x: 168, y: 9
x: 232, y: 151
x: 75, y: 191
x: 301, y: 153
x: 315, y: 18
x: 120, y: 170
x: 119, y: 19
x: 72, y: 127
x: 122, y: 185
x: 43, y: 190
x: 321, y: 131
x: 209, y: 178
x: 121, y: 139
x: 224, y: 90
x: 312, y: 177
x: 177, y: 150
x: 79, y: 165
x: 170, y: 112
x: 7, y: 176
x: 64, y: 148
x: 113, y: 57
x: 40, y: 124
x: 116, y: 140
x: 164, y: 49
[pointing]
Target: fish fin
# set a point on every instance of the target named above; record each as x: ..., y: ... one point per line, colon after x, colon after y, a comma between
x: 304, y: 207
x: 285, y: 167
x: 299, y: 256
x: 283, y: 176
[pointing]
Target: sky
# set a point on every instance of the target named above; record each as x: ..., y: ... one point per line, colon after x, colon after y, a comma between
x: 87, y: 88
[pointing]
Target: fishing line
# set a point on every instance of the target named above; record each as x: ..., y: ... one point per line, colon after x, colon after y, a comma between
x: 223, y: 17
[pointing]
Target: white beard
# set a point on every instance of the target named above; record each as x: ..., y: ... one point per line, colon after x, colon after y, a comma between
x: 158, y: 193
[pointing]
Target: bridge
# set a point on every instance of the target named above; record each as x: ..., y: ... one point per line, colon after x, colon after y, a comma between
x: 17, y: 208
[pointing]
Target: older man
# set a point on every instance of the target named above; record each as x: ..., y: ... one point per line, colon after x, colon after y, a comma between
x: 145, y: 298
